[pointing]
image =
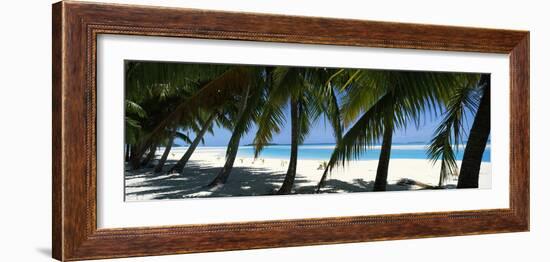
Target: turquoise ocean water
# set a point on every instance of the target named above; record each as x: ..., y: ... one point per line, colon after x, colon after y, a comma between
x: 323, y: 152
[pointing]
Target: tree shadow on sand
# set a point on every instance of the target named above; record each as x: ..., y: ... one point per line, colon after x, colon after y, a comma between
x: 244, y: 181
x: 144, y: 184
x: 357, y: 185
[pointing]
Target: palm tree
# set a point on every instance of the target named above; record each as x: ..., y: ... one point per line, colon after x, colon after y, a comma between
x: 232, y: 147
x: 447, y: 138
x: 164, y: 157
x: 385, y: 101
x: 473, y: 98
x: 309, y: 94
x: 186, y: 90
x: 150, y: 155
x: 248, y: 102
x: 296, y: 114
x: 152, y: 90
x: 134, y: 119
x: 288, y: 85
x: 180, y: 165
x: 172, y: 135
x: 477, y: 141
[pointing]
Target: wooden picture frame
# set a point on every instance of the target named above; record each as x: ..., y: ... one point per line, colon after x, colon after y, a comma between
x: 76, y: 26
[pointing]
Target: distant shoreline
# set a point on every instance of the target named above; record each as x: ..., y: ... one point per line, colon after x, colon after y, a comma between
x: 322, y: 152
x: 308, y: 144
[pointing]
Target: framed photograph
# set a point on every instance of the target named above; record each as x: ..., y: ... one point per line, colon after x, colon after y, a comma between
x: 181, y: 130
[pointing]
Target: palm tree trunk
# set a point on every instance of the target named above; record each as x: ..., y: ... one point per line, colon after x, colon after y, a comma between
x: 384, y: 161
x: 135, y: 157
x: 150, y: 155
x: 441, y: 177
x: 337, y: 128
x: 477, y: 141
x: 162, y: 160
x: 127, y: 153
x: 322, y: 181
x: 235, y: 139
x: 185, y: 158
x: 223, y: 175
x: 286, y: 188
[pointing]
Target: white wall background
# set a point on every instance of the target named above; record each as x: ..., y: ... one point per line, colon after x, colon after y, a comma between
x: 25, y: 129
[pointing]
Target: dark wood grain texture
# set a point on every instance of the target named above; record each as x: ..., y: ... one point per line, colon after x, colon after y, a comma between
x: 76, y: 26
x: 57, y: 195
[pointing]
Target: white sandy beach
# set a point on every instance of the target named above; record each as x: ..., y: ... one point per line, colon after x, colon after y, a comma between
x: 265, y: 175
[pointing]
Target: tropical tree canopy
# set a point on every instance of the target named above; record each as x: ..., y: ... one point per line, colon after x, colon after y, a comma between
x: 165, y: 102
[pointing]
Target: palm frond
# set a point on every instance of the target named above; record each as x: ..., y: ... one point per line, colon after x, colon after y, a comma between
x: 134, y: 108
x: 366, y: 131
x: 212, y: 95
x: 272, y: 116
x: 184, y: 137
x: 447, y: 136
x: 248, y: 113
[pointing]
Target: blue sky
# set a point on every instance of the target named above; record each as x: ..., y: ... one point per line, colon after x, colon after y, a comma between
x: 321, y: 132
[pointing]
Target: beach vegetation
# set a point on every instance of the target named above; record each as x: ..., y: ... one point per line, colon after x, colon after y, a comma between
x: 167, y: 102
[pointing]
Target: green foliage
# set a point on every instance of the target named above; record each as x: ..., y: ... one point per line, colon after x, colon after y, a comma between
x: 448, y: 135
x: 375, y: 100
x: 178, y: 95
x: 359, y: 105
x: 310, y: 88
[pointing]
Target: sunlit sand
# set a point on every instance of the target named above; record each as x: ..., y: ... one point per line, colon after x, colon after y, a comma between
x: 263, y: 176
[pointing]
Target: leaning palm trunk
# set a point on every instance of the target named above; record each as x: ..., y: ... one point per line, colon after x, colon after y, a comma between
x: 321, y: 183
x: 222, y: 177
x: 286, y: 188
x: 384, y: 161
x: 477, y: 141
x: 150, y: 155
x: 185, y: 158
x: 232, y: 148
x: 441, y: 182
x: 137, y: 153
x: 135, y: 157
x: 162, y: 160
